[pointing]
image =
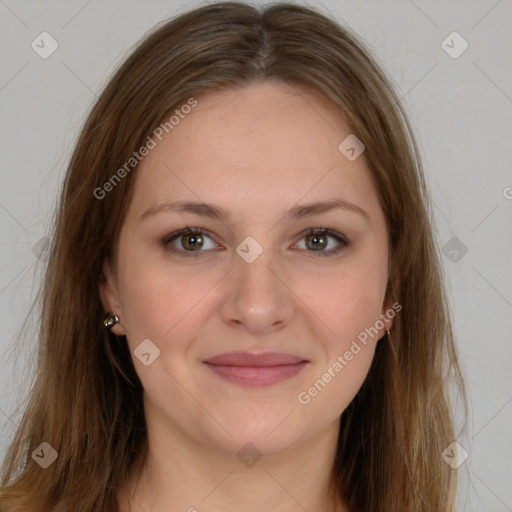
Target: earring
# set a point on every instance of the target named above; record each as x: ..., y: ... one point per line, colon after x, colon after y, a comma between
x: 389, y: 335
x: 110, y: 321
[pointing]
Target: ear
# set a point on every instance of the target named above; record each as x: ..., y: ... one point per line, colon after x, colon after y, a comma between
x: 109, y: 294
x: 388, y: 313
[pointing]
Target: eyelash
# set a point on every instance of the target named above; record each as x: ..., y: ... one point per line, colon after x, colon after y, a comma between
x: 342, y: 240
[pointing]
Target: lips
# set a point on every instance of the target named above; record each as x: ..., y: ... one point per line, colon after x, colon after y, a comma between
x: 248, y: 359
x: 256, y: 369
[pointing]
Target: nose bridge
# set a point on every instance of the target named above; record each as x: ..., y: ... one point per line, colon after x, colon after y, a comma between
x: 255, y: 278
x: 257, y: 298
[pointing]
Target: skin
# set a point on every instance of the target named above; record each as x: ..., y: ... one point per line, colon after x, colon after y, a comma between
x: 256, y: 152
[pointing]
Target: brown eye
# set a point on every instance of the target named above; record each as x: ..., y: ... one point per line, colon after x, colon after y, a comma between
x: 323, y: 241
x: 192, y: 241
x: 316, y: 242
x: 189, y: 242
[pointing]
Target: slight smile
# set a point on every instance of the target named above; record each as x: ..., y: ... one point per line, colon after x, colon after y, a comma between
x: 256, y: 370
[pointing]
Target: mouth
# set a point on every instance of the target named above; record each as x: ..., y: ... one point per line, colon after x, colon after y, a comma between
x: 256, y: 370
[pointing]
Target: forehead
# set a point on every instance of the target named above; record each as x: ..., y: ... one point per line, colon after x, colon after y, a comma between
x: 267, y: 143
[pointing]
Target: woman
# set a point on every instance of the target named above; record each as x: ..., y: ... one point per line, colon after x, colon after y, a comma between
x: 243, y: 306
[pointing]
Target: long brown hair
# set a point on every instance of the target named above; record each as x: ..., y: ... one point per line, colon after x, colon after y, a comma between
x: 86, y: 400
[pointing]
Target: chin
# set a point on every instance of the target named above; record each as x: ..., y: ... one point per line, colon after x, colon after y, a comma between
x: 266, y: 431
x: 257, y: 442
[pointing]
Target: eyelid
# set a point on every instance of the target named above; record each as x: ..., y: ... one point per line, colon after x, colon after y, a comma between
x: 340, y: 238
x: 185, y: 231
x: 325, y: 231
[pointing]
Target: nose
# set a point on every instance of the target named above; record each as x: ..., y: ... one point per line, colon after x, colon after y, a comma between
x: 257, y: 297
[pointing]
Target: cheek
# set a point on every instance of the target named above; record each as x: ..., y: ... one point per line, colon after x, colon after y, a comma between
x: 168, y: 307
x: 349, y: 304
x: 347, y: 300
x: 157, y: 300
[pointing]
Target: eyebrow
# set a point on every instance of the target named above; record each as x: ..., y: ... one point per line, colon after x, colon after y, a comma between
x: 217, y: 213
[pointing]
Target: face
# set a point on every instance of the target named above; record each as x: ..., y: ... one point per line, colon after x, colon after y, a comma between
x: 254, y: 317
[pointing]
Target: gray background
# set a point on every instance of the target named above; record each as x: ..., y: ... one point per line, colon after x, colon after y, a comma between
x: 460, y: 109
